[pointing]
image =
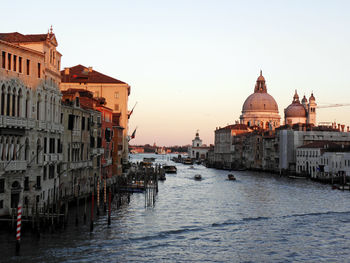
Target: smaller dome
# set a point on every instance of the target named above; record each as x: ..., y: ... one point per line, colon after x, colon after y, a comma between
x: 295, y: 110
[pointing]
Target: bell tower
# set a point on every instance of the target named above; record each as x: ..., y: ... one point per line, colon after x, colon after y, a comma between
x: 311, y: 110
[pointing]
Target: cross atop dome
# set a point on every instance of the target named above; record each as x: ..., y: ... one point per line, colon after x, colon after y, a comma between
x: 296, y: 97
x: 260, y: 85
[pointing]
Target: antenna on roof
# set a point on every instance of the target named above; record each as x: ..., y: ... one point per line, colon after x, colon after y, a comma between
x: 51, y: 29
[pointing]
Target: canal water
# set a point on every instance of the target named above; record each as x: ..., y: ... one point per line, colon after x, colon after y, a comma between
x: 258, y: 218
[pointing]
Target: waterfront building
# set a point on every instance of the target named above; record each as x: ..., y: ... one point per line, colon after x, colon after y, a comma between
x: 115, y: 92
x: 117, y: 145
x: 334, y: 162
x: 308, y: 157
x: 106, y: 136
x: 304, y: 112
x: 198, y: 150
x: 291, y: 139
x: 225, y: 147
x: 260, y: 108
x: 30, y: 125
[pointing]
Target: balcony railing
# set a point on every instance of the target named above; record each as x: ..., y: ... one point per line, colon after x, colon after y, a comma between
x: 16, y: 122
x: 80, y: 164
x: 14, y: 165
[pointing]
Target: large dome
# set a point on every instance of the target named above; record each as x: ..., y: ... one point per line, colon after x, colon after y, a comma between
x: 260, y: 108
x: 260, y: 102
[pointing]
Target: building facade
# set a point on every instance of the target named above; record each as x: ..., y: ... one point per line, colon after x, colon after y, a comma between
x: 115, y: 92
x: 30, y: 125
x: 197, y: 150
x: 304, y: 112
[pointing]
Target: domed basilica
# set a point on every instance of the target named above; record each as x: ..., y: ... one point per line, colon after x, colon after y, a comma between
x: 260, y: 109
x: 303, y: 112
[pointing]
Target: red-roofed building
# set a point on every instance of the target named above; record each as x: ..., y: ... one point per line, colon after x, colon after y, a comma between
x: 115, y: 92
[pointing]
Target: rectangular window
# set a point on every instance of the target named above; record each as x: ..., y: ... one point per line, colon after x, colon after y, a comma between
x: 2, y: 185
x: 39, y: 70
x: 26, y: 183
x: 38, y: 182
x: 83, y: 123
x: 14, y: 63
x: 20, y: 64
x: 116, y: 107
x: 9, y: 56
x: 45, y: 145
x: 1, y: 204
x: 44, y: 173
x: 52, y: 145
x: 59, y: 145
x: 70, y: 122
x: 28, y: 66
x: 116, y: 95
x: 51, y: 171
x: 3, y: 59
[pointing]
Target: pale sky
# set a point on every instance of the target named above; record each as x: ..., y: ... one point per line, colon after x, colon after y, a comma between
x: 192, y: 63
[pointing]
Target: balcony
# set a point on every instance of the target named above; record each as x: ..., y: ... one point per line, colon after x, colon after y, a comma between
x: 101, y: 150
x: 13, y: 166
x: 94, y: 151
x: 53, y: 157
x: 41, y: 125
x: 75, y: 133
x: 80, y: 164
x: 16, y: 122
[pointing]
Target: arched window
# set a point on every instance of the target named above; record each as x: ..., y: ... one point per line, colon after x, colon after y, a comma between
x: 38, y: 146
x: 8, y: 102
x: 19, y: 101
x: 26, y: 150
x: 3, y: 100
x: 13, y: 113
x: 38, y: 107
x: 27, y: 105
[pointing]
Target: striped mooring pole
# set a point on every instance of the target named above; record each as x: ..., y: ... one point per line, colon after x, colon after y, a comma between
x: 98, y: 196
x: 19, y: 223
x: 104, y: 194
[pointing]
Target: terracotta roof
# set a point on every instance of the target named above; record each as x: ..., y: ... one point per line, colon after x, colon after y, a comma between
x: 16, y: 37
x: 81, y: 74
x: 321, y: 144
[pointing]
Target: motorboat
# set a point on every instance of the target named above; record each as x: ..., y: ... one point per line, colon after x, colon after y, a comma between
x: 231, y: 177
x: 149, y: 159
x: 170, y: 169
x: 162, y: 177
x: 198, y: 177
x: 188, y: 161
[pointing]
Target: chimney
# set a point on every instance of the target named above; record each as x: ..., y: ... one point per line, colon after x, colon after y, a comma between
x: 66, y: 71
x: 348, y: 129
x: 338, y: 127
x: 342, y: 127
x: 90, y: 69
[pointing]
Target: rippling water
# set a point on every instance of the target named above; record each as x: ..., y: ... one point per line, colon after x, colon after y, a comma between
x: 258, y: 218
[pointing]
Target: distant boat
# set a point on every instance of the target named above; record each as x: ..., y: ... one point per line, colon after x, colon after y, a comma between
x: 170, y: 169
x: 149, y: 159
x: 297, y: 177
x: 187, y: 161
x: 162, y: 177
x: 231, y: 177
x: 198, y: 177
